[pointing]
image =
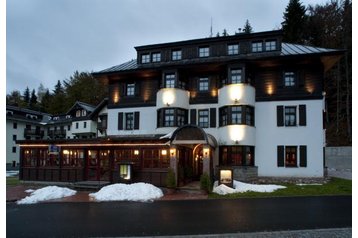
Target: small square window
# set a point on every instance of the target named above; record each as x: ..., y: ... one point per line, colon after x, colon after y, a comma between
x: 130, y: 89
x: 203, y: 84
x: 204, y: 52
x: 289, y: 78
x: 176, y: 55
x: 233, y: 49
x: 270, y: 45
x: 257, y: 46
x: 156, y: 57
x: 145, y: 58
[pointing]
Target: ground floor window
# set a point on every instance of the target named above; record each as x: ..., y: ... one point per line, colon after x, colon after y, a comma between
x: 292, y: 156
x: 72, y: 158
x: 237, y: 155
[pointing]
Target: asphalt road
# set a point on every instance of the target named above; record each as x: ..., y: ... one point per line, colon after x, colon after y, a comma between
x: 177, y: 217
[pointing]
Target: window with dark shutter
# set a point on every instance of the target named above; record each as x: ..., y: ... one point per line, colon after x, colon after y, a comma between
x: 302, y: 116
x: 279, y: 115
x: 120, y: 121
x: 212, y: 117
x: 193, y: 116
x: 303, y: 156
x: 280, y: 156
x: 136, y: 120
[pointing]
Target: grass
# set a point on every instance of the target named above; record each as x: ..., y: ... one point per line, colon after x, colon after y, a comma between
x: 12, y: 181
x: 335, y: 186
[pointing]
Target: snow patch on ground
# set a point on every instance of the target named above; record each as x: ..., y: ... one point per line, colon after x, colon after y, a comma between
x: 128, y: 192
x: 304, y: 184
x: 11, y: 173
x: 240, y: 187
x: 29, y: 190
x: 46, y: 193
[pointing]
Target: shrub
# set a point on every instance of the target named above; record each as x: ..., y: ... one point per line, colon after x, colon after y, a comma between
x: 170, y: 180
x: 205, y: 182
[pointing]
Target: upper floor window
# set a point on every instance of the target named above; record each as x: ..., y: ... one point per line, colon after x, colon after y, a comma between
x: 145, y: 58
x: 234, y: 115
x: 84, y: 113
x: 156, y: 57
x: 236, y: 75
x: 130, y: 89
x: 169, y: 80
x: 9, y: 113
x: 233, y: 49
x: 289, y: 78
x: 204, y: 118
x: 68, y: 116
x: 14, y: 126
x: 78, y: 114
x: 203, y: 51
x: 270, y: 45
x: 290, y: 116
x: 129, y: 121
x: 203, y: 84
x: 176, y: 55
x: 84, y: 124
x: 170, y: 117
x: 76, y: 125
x: 257, y: 46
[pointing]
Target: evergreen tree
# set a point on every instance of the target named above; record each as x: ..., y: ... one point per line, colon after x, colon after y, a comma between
x: 27, y: 96
x: 225, y: 33
x: 46, y: 101
x: 294, y: 23
x: 247, y: 27
x: 33, y: 99
x: 15, y: 99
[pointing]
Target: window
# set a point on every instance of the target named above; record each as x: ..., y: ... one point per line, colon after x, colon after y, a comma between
x: 289, y: 78
x: 169, y: 81
x: 129, y: 121
x: 270, y: 45
x: 14, y: 137
x: 290, y: 116
x: 168, y: 117
x: 176, y: 55
x: 233, y: 49
x: 203, y: 84
x: 291, y: 156
x: 236, y: 156
x: 257, y: 46
x: 14, y: 149
x: 76, y: 125
x: 250, y: 116
x: 203, y: 51
x: 84, y: 124
x: 69, y: 127
x: 145, y: 58
x: 236, y: 112
x: 84, y: 113
x: 236, y: 115
x: 78, y: 113
x: 223, y: 116
x: 181, y: 117
x: 156, y: 57
x: 204, y: 118
x: 236, y: 75
x: 14, y: 126
x: 130, y: 89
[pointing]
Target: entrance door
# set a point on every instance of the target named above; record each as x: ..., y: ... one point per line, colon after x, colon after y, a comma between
x: 198, y: 161
x: 92, y: 168
x: 98, y: 168
x: 104, y: 165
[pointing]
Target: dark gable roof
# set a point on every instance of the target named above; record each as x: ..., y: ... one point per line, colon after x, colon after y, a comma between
x: 287, y: 49
x: 83, y: 105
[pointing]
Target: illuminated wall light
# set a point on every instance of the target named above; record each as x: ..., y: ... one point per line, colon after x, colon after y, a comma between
x: 168, y: 97
x: 206, y: 151
x: 214, y: 92
x: 164, y: 152
x: 236, y: 92
x: 172, y: 152
x: 136, y: 152
x: 270, y: 89
x: 116, y: 97
x: 89, y: 153
x: 65, y: 152
x: 310, y: 88
x: 237, y: 133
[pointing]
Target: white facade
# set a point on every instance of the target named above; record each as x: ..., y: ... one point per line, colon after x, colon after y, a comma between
x: 269, y: 136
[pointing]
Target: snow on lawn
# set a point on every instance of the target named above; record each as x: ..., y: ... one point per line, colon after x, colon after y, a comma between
x: 305, y: 184
x: 11, y: 173
x: 46, y: 193
x: 240, y: 187
x: 128, y: 192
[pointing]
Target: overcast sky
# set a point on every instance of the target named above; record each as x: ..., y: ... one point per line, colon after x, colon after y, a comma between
x: 47, y: 40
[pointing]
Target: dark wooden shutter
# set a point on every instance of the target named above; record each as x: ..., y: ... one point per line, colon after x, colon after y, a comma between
x: 279, y: 115
x: 193, y: 116
x: 212, y: 117
x: 120, y: 121
x: 303, y: 156
x: 280, y: 156
x: 136, y: 120
x: 302, y: 116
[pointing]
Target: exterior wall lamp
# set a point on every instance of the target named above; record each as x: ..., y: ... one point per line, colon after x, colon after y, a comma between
x: 136, y: 152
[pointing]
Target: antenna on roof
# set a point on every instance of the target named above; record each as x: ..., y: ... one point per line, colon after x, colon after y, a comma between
x: 211, y: 27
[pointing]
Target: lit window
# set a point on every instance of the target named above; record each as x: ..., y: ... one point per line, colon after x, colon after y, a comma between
x: 233, y: 49
x: 204, y: 118
x: 236, y: 76
x: 169, y: 81
x: 78, y: 114
x: 145, y: 58
x: 257, y: 46
x: 156, y: 57
x: 176, y: 55
x: 203, y: 84
x: 130, y: 89
x: 270, y: 45
x: 290, y: 116
x: 203, y: 51
x: 289, y: 78
x: 84, y: 112
x: 129, y: 121
x: 291, y: 156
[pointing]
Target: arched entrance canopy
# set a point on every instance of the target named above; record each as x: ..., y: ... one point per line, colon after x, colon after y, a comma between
x: 190, y: 134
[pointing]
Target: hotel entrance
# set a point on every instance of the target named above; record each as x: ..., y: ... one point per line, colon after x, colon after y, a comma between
x: 98, y: 167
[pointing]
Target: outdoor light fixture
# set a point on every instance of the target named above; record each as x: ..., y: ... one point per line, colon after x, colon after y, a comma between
x: 136, y: 152
x: 172, y: 152
x: 164, y: 152
x: 206, y: 151
x: 66, y: 152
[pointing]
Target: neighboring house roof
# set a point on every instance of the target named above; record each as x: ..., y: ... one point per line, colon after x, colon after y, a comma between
x: 99, y: 107
x: 287, y: 49
x: 83, y: 105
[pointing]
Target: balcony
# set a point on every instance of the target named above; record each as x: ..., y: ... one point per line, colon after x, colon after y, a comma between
x: 56, y: 133
x: 240, y: 94
x: 33, y: 132
x: 172, y: 97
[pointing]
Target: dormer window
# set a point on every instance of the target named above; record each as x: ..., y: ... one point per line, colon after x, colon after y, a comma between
x: 156, y: 57
x: 270, y: 45
x: 169, y: 80
x: 257, y: 46
x: 233, y: 49
x: 236, y: 75
x: 130, y: 89
x: 176, y: 55
x: 289, y: 79
x: 204, y: 51
x: 68, y: 116
x: 84, y: 113
x: 78, y: 113
x: 203, y: 84
x: 145, y: 58
x: 55, y: 118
